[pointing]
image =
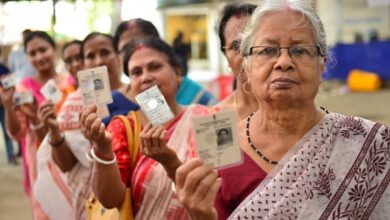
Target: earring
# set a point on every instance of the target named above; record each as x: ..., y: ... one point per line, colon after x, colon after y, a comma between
x: 246, y: 84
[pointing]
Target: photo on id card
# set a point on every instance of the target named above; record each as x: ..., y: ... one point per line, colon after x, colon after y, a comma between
x: 217, y: 139
x: 95, y: 86
x: 154, y: 105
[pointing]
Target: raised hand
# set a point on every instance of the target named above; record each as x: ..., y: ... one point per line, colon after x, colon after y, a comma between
x: 6, y: 96
x: 153, y: 143
x: 197, y: 185
x: 47, y: 115
x: 94, y: 129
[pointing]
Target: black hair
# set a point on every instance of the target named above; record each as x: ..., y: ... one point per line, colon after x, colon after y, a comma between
x: 38, y: 34
x: 223, y: 129
x: 155, y: 44
x: 230, y: 10
x: 146, y: 27
x: 93, y: 35
x: 67, y: 44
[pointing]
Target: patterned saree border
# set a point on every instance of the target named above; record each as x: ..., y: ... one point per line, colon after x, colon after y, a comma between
x: 332, y: 204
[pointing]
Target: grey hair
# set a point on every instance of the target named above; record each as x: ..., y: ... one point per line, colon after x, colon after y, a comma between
x: 267, y: 6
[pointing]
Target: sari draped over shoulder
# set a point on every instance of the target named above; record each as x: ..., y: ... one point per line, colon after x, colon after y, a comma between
x: 340, y: 169
x: 30, y: 148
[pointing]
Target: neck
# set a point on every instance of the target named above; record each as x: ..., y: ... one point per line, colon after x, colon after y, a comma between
x: 115, y: 84
x: 283, y: 120
x: 45, y: 76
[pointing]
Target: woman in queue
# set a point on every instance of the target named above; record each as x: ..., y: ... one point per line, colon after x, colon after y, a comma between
x: 24, y: 123
x: 148, y: 62
x: 301, y: 148
x: 67, y: 144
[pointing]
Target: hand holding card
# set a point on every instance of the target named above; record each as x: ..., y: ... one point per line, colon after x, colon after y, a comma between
x: 217, y: 139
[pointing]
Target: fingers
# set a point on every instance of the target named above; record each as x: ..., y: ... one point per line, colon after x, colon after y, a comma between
x: 183, y: 170
x: 203, y: 187
x: 152, y: 139
x: 46, y: 110
x: 196, y: 180
x: 86, y: 112
x: 212, y: 193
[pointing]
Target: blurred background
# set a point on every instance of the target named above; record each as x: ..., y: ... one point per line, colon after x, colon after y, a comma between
x: 356, y: 82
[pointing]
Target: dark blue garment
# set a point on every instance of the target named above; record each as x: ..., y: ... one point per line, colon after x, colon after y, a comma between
x: 8, y: 142
x: 120, y: 106
x: 3, y: 70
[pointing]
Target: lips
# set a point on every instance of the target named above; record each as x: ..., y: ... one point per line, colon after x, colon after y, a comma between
x: 283, y: 83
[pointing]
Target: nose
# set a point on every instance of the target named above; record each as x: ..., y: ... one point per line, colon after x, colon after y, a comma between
x: 99, y: 60
x: 284, y: 61
x: 146, y: 77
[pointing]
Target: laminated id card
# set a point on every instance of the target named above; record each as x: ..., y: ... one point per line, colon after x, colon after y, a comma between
x: 51, y: 92
x: 8, y: 81
x: 217, y: 139
x: 95, y: 86
x: 154, y: 106
x: 21, y: 98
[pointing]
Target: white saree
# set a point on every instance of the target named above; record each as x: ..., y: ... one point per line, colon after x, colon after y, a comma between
x: 339, y: 170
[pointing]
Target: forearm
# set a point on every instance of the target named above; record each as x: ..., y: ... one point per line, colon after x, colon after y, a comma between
x: 38, y: 128
x: 62, y: 155
x: 171, y: 167
x: 107, y: 185
x: 12, y: 122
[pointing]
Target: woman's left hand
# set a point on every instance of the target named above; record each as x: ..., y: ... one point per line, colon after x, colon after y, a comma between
x: 153, y: 144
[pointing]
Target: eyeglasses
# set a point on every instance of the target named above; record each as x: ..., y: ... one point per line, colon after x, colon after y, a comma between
x: 265, y: 54
x: 233, y: 49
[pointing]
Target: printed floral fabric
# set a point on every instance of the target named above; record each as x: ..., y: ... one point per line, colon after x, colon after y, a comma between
x: 339, y: 170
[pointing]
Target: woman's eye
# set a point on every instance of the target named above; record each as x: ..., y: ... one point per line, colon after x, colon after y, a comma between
x: 136, y: 72
x: 268, y: 51
x: 154, y: 66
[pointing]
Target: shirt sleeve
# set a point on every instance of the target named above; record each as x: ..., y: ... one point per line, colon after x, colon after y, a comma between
x: 119, y: 144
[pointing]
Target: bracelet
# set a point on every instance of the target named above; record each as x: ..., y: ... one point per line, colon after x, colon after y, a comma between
x: 88, y: 156
x: 59, y: 143
x: 99, y: 160
x: 36, y: 127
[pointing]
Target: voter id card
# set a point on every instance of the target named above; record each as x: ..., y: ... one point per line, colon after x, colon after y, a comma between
x: 95, y: 86
x: 154, y: 105
x: 217, y: 139
x: 25, y: 97
x: 8, y: 81
x: 51, y: 92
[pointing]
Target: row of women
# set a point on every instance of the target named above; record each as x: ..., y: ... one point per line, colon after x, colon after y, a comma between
x: 299, y: 161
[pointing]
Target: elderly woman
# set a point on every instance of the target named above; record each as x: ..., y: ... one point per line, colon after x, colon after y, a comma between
x: 318, y: 165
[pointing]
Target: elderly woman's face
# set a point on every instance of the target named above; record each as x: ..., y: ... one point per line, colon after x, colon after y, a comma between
x: 148, y: 67
x: 284, y: 77
x: 234, y: 27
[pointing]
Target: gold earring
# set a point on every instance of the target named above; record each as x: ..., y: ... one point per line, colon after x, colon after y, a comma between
x: 247, y: 91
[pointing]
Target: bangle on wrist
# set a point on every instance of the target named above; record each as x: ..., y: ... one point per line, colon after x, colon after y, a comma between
x: 100, y: 160
x: 36, y: 127
x: 89, y: 156
x: 58, y: 143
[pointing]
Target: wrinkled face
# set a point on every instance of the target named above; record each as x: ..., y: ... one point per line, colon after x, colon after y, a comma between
x: 99, y: 51
x: 234, y: 27
x: 284, y: 77
x: 41, y: 54
x: 73, y: 59
x: 149, y: 67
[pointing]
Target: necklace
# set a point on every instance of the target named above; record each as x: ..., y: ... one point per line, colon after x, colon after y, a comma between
x: 248, y: 120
